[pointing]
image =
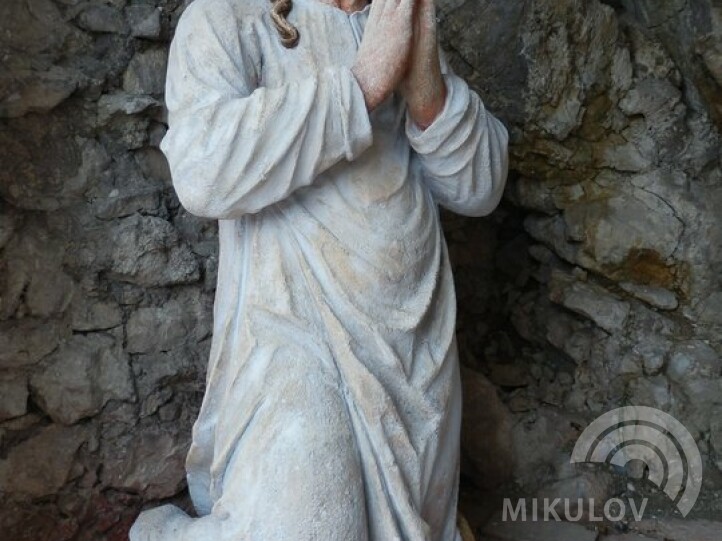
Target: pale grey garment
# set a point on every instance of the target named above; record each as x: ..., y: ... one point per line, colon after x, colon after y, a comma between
x: 333, y: 400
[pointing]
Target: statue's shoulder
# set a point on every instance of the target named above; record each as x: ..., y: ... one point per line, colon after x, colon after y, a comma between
x: 226, y: 10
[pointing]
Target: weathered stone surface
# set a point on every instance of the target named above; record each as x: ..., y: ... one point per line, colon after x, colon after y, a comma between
x: 144, y: 21
x: 13, y: 396
x: 147, y: 251
x: 709, y: 309
x: 151, y: 462
x: 653, y: 350
x: 157, y: 373
x: 499, y: 530
x: 41, y: 464
x: 88, y: 314
x: 653, y: 392
x: 102, y: 18
x: 49, y: 293
x: 8, y: 220
x: 42, y: 522
x: 38, y: 25
x: 603, y: 167
x: 486, y: 432
x: 154, y: 165
x: 81, y: 377
x: 593, y: 302
x: 139, y: 195
x: 31, y: 91
x: 674, y: 529
x: 129, y: 104
x: 146, y: 72
x: 581, y: 486
x: 612, y: 229
x: 716, y: 435
x: 26, y: 342
x: 33, y: 37
x: 656, y: 296
x: 538, y: 442
x: 694, y: 359
x: 64, y: 167
x: 161, y: 328
x: 626, y: 537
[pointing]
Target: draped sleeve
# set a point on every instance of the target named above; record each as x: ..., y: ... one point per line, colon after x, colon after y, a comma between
x: 464, y: 152
x: 234, y: 146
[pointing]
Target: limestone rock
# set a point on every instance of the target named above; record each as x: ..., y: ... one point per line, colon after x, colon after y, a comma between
x: 656, y: 296
x: 138, y: 195
x: 156, y: 373
x: 674, y: 529
x: 709, y: 310
x: 147, y: 251
x: 614, y: 228
x: 486, y: 432
x: 144, y: 21
x: 626, y: 537
x: 654, y: 351
x: 49, y: 292
x: 102, y: 18
x: 31, y: 91
x: 716, y: 435
x: 38, y: 26
x: 13, y: 396
x: 154, y: 165
x: 162, y: 328
x: 694, y: 359
x: 590, y: 301
x: 81, y: 377
x: 530, y: 530
x: 586, y: 486
x: 7, y: 224
x: 700, y: 396
x: 89, y: 314
x: 146, y: 72
x: 653, y: 392
x: 25, y: 342
x: 649, y: 96
x: 509, y: 374
x: 151, y: 462
x: 64, y: 167
x: 129, y: 104
x: 40, y: 465
x: 539, y: 439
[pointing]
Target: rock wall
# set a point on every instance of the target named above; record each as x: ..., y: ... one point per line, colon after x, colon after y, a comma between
x: 107, y: 284
x: 596, y: 284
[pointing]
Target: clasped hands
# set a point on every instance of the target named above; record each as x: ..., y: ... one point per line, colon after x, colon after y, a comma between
x: 399, y: 52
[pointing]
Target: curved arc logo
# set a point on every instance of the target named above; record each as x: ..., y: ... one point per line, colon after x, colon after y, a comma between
x: 652, y: 436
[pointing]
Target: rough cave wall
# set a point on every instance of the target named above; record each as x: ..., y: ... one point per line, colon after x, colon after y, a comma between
x: 596, y: 284
x: 107, y: 283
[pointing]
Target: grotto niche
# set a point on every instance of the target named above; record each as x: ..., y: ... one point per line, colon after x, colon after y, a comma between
x: 596, y: 284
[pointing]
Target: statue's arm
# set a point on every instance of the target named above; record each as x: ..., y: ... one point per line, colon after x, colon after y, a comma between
x: 234, y: 147
x: 464, y: 153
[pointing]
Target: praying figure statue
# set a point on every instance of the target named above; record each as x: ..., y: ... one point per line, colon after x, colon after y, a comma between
x: 323, y: 135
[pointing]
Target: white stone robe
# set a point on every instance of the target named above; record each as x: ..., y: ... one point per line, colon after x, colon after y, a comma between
x: 333, y: 401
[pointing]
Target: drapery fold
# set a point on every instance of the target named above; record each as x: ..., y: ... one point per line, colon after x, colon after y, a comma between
x: 332, y: 407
